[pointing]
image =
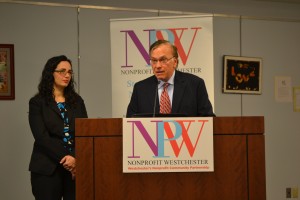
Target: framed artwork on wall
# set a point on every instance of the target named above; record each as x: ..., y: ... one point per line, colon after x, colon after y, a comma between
x: 7, y: 75
x: 296, y: 98
x: 242, y: 75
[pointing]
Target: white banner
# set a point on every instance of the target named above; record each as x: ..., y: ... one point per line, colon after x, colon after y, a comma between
x: 130, y: 42
x: 168, y: 145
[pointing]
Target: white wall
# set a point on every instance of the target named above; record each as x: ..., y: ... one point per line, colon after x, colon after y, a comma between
x: 40, y: 32
x: 37, y: 33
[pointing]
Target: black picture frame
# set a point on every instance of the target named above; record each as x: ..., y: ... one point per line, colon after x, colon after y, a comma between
x: 242, y: 75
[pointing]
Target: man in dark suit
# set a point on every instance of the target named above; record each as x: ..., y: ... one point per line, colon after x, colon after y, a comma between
x: 187, y: 92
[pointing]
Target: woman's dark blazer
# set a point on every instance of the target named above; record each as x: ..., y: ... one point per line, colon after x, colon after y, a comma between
x: 47, y: 128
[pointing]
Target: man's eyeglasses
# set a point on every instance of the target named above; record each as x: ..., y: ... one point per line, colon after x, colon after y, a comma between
x: 162, y: 60
x: 63, y: 72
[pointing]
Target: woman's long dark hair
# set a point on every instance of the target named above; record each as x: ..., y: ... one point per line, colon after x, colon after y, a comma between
x: 45, y: 86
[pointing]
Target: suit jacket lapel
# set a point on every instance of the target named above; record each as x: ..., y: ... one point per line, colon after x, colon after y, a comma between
x: 152, y: 94
x: 70, y: 112
x: 54, y: 107
x: 179, y: 87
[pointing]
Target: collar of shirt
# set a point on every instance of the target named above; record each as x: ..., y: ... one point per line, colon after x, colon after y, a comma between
x: 170, y: 81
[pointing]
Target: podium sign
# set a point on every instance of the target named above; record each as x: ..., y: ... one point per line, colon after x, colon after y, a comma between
x: 168, y: 144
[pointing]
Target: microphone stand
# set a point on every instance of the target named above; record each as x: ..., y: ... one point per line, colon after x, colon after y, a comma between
x: 156, y: 91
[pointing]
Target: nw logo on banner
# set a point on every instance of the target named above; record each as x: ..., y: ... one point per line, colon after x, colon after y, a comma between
x: 173, y: 35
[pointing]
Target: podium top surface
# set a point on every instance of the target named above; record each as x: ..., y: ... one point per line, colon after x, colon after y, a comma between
x: 252, y: 125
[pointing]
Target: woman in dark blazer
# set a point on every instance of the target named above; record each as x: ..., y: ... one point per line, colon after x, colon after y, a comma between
x: 52, y: 113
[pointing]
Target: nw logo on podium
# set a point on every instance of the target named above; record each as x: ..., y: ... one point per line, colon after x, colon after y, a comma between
x: 167, y: 144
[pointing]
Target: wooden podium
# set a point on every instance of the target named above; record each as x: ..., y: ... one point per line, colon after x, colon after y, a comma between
x: 239, y: 165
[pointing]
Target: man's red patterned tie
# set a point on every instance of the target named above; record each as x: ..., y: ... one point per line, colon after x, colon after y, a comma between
x: 165, y: 103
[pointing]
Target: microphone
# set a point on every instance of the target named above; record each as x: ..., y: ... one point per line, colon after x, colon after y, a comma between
x: 156, y: 91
